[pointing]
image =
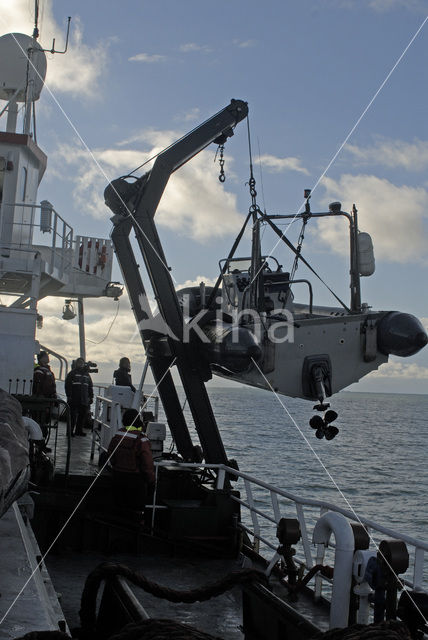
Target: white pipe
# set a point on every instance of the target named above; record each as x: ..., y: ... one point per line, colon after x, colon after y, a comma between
x: 335, y: 523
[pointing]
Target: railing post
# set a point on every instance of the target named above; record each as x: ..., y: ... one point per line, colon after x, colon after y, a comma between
x: 254, y: 518
x: 52, y: 262
x: 63, y: 248
x: 319, y: 560
x: 220, y: 479
x: 154, y: 498
x: 304, y: 532
x: 418, y: 571
x: 275, y: 506
x: 318, y: 577
x: 95, y: 423
x: 118, y: 416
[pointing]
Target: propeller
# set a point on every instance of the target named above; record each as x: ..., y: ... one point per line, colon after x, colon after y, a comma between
x: 323, y: 426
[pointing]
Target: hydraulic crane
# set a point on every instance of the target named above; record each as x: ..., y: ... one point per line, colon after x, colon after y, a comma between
x: 134, y: 206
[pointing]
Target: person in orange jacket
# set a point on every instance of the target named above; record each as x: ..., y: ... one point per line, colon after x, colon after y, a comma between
x: 131, y: 459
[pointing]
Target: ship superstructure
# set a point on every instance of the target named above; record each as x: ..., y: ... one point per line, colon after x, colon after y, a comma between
x: 40, y: 253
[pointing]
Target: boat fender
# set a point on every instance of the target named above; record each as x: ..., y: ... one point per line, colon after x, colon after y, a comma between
x: 400, y: 334
x: 366, y: 259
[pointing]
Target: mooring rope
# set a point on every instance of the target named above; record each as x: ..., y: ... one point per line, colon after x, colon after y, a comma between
x: 108, y: 570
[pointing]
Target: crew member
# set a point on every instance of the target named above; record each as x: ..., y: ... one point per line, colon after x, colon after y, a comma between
x: 122, y: 376
x: 43, y: 378
x: 80, y: 394
x: 44, y: 386
x: 132, y: 462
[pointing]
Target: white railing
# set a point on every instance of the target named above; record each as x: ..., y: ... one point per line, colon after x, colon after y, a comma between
x: 28, y: 236
x: 263, y: 505
x: 108, y: 419
x: 63, y: 252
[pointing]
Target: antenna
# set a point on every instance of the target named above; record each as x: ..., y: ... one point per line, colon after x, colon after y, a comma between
x: 36, y: 30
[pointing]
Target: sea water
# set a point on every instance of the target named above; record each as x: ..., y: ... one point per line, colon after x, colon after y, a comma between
x: 376, y: 465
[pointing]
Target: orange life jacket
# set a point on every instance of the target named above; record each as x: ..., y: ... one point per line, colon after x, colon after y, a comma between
x: 130, y: 452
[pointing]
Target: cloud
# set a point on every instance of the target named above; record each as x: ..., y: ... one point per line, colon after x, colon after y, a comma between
x: 277, y: 165
x: 383, y: 6
x: 108, y: 336
x: 78, y: 71
x: 62, y: 335
x: 190, y: 116
x: 395, y: 217
x: 209, y: 282
x: 244, y: 44
x: 400, y: 370
x: 190, y: 47
x: 194, y: 204
x: 380, y: 6
x: 412, y: 156
x: 147, y: 57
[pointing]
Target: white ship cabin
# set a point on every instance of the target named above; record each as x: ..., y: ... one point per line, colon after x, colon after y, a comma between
x: 40, y: 254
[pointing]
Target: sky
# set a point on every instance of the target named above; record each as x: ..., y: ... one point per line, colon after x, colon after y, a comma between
x: 337, y: 93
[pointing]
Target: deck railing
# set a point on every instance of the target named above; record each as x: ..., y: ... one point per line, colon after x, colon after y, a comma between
x: 263, y: 505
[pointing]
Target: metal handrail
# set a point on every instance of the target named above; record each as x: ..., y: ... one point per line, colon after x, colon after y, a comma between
x: 62, y: 359
x: 115, y: 408
x: 269, y: 514
x: 419, y: 546
x: 301, y: 281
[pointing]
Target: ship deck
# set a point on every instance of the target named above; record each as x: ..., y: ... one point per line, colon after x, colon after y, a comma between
x: 28, y: 601
x: 68, y: 569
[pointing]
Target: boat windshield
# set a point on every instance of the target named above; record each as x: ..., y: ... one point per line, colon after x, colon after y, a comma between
x: 244, y: 264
